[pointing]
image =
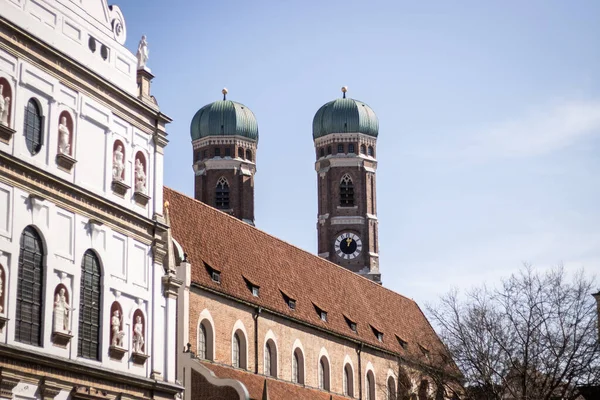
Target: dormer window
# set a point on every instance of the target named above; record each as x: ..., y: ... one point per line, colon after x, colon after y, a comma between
x: 254, y: 288
x: 351, y: 324
x: 378, y: 333
x: 321, y: 313
x: 403, y: 343
x: 425, y: 351
x: 215, y: 275
x: 289, y: 301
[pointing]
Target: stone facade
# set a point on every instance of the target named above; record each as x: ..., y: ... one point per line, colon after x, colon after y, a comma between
x: 92, y: 216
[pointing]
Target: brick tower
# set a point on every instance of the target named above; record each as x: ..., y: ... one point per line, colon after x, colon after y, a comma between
x: 345, y: 136
x: 224, y: 139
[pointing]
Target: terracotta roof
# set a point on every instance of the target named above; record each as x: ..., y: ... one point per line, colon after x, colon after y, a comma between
x: 239, y: 250
x: 278, y: 390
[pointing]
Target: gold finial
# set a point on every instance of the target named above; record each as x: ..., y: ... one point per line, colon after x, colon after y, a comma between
x: 344, y: 90
x: 167, y: 204
x: 224, y: 91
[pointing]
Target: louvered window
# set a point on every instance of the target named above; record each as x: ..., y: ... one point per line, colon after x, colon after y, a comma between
x: 222, y: 194
x: 30, y: 285
x: 34, y: 122
x: 346, y: 191
x: 88, y: 345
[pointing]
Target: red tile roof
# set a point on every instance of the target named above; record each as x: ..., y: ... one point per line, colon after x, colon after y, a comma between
x: 278, y: 390
x: 239, y: 250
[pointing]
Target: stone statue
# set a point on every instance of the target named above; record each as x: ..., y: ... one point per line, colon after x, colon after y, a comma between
x: 117, y: 333
x: 118, y: 164
x: 4, y: 107
x: 61, y: 312
x: 142, y: 53
x: 63, y: 137
x: 1, y: 289
x: 138, y: 335
x: 140, y: 177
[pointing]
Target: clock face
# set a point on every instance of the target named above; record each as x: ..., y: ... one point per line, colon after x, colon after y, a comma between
x: 348, y: 246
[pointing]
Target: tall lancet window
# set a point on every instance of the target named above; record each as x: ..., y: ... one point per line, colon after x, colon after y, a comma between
x: 30, y: 285
x: 346, y: 191
x: 88, y: 345
x: 222, y: 194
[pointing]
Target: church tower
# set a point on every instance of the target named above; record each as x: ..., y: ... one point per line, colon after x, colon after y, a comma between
x: 224, y: 139
x: 345, y: 136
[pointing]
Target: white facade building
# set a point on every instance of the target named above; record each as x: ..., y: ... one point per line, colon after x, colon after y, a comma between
x: 87, y: 306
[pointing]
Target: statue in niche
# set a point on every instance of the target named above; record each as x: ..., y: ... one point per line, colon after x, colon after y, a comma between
x: 142, y: 53
x: 140, y: 176
x: 64, y: 147
x: 4, y: 107
x: 1, y: 289
x: 61, y: 311
x: 117, y: 333
x: 138, y: 335
x: 118, y: 164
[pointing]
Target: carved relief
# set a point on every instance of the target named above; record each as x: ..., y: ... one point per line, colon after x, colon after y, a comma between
x: 61, y: 315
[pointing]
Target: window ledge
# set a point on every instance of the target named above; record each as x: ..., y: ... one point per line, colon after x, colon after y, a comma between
x: 6, y: 134
x: 61, y: 339
x: 65, y: 162
x: 119, y: 188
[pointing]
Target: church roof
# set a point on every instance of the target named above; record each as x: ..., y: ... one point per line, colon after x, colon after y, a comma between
x: 277, y: 389
x: 244, y: 256
x: 224, y: 118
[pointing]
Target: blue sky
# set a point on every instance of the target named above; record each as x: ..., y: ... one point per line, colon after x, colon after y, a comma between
x: 489, y: 121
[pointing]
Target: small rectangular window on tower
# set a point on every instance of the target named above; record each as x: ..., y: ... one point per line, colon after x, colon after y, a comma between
x: 351, y: 148
x: 217, y: 152
x: 227, y: 152
x: 340, y: 148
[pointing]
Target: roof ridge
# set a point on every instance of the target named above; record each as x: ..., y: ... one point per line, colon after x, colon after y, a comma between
x: 345, y: 270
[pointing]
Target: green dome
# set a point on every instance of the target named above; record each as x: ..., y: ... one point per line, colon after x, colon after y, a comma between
x: 224, y: 118
x: 345, y: 115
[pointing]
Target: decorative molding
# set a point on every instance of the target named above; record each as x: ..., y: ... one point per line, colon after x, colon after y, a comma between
x: 7, y: 384
x: 116, y: 353
x: 6, y: 134
x: 141, y: 198
x: 139, y: 358
x: 350, y: 220
x: 171, y: 286
x: 361, y: 138
x: 84, y: 392
x: 61, y: 339
x: 3, y: 321
x: 119, y: 188
x: 65, y: 162
x: 238, y: 141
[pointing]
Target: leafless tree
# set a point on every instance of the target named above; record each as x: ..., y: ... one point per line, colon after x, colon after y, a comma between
x: 534, y: 337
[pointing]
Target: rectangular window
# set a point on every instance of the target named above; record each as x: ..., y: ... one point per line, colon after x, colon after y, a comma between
x: 292, y: 304
x: 340, y: 148
x: 227, y: 152
x: 323, y: 316
x: 351, y: 148
x: 255, y: 291
x: 217, y: 152
x: 216, y: 276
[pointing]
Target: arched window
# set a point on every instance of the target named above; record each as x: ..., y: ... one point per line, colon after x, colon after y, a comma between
x: 340, y: 148
x: 423, y: 389
x: 404, y: 386
x: 348, y: 381
x: 202, y: 342
x: 351, y: 148
x: 238, y: 351
x: 371, y: 151
x: 298, y: 366
x: 222, y: 194
x: 240, y: 152
x: 322, y: 152
x: 324, y: 373
x: 34, y: 122
x: 328, y: 150
x: 270, y: 359
x: 28, y: 320
x: 363, y: 149
x: 346, y: 191
x: 90, y: 299
x: 370, y: 386
x: 249, y: 155
x: 391, y: 388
